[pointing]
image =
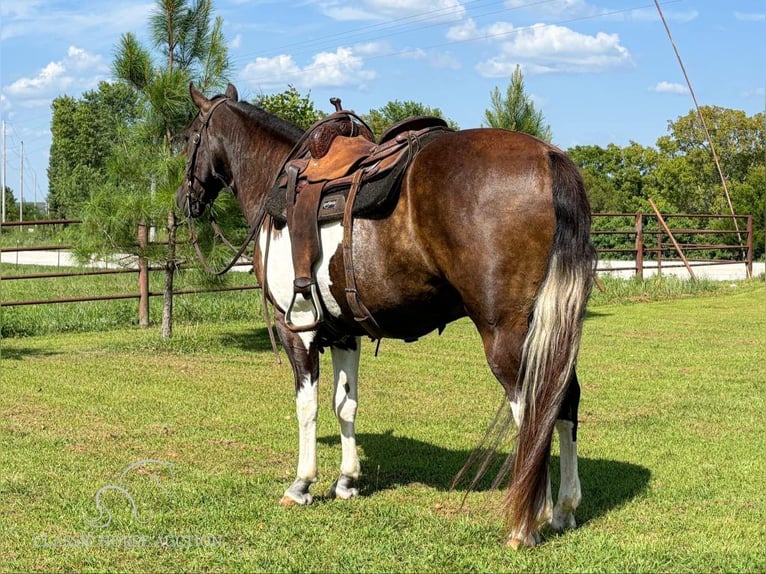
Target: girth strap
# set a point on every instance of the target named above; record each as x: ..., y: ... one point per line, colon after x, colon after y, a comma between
x: 362, y: 315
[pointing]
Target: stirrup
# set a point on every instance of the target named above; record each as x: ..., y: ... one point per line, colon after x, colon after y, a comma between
x: 307, y: 289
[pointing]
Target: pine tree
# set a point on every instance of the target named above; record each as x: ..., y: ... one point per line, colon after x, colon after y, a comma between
x: 516, y: 111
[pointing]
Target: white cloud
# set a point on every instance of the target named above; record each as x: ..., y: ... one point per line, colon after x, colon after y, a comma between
x: 569, y: 9
x: 97, y: 20
x: 344, y: 67
x: 411, y: 10
x: 78, y: 70
x: 558, y: 8
x: 750, y: 17
x: 543, y: 49
x: 236, y: 42
x: 434, y: 58
x: 669, y: 88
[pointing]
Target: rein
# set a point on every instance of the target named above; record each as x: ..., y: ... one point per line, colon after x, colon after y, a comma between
x: 194, y: 237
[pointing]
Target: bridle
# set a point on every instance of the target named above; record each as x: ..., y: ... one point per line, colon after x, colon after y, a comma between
x: 190, y: 177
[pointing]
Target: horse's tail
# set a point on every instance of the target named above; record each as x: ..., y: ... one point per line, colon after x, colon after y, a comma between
x: 551, y: 345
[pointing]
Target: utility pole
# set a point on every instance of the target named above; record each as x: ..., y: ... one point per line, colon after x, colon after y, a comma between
x: 21, y: 190
x: 3, y: 177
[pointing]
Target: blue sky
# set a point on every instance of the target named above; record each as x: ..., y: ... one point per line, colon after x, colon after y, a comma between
x: 602, y: 71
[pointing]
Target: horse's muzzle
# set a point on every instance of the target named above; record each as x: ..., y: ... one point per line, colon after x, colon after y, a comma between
x: 187, y: 203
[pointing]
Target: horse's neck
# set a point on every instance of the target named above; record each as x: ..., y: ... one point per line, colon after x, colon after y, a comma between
x: 255, y: 154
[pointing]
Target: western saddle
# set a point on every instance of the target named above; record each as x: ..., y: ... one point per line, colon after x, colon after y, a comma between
x: 337, y: 172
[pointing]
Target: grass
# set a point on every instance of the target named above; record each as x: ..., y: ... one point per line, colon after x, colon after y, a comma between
x: 671, y: 467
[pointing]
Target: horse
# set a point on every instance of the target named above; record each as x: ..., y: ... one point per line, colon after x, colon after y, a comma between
x: 490, y: 224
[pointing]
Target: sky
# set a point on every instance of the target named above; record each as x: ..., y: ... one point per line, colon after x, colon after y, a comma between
x: 601, y: 71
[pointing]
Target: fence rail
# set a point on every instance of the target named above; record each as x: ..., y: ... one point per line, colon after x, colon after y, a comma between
x: 649, y: 242
x: 641, y: 243
x: 141, y: 269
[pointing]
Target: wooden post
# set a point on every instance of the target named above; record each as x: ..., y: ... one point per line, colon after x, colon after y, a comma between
x: 640, y: 245
x: 143, y: 276
x: 170, y: 269
x: 673, y: 239
x: 749, y: 258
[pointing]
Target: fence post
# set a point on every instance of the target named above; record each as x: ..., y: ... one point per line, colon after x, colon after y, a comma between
x: 143, y: 276
x: 640, y: 246
x: 749, y: 261
x: 170, y: 268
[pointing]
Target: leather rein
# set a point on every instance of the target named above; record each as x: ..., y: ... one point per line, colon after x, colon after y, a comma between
x: 193, y: 236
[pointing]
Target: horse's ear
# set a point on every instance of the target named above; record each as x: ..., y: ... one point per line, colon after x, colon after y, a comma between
x: 199, y: 99
x: 231, y: 92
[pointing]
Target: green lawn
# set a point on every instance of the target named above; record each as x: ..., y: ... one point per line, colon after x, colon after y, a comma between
x: 672, y: 462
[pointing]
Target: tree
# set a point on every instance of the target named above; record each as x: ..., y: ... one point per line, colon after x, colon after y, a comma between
x: 83, y: 133
x: 291, y: 106
x: 381, y: 119
x: 146, y: 171
x: 516, y: 111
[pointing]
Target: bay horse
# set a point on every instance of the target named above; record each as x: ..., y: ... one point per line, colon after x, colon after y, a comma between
x: 490, y: 224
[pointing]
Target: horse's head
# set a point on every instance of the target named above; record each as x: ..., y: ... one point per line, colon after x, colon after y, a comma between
x: 207, y: 169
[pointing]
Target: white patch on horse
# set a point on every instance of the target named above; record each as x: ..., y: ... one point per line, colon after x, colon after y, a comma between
x: 569, y: 490
x: 346, y: 370
x: 281, y: 273
x: 306, y: 406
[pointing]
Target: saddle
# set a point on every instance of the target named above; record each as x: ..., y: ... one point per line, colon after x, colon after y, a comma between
x: 337, y: 172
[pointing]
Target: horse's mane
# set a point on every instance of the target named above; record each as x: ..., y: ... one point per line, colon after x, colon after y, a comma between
x: 273, y: 123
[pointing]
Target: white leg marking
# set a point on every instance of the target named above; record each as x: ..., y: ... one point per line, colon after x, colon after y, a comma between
x: 346, y: 369
x: 569, y: 491
x: 306, y: 406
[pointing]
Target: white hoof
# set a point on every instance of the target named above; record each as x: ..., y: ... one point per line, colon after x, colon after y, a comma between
x: 342, y: 488
x: 563, y: 519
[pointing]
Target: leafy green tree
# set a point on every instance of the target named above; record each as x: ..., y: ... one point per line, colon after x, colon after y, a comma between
x: 291, y: 106
x: 145, y: 171
x: 83, y: 133
x: 381, y: 119
x: 516, y: 111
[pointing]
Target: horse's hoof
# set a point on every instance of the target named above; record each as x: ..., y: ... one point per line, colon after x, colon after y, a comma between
x: 563, y: 520
x: 298, y: 494
x: 342, y: 488
x: 517, y: 541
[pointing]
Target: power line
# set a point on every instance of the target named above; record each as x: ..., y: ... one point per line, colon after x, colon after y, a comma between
x: 389, y: 27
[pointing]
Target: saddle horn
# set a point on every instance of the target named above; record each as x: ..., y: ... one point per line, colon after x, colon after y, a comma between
x: 336, y: 102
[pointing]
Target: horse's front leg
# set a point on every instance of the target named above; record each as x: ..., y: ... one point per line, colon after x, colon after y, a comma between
x: 304, y: 359
x: 345, y: 364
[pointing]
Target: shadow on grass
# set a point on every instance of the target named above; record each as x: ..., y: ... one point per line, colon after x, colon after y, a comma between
x: 391, y: 461
x: 251, y: 340
x: 22, y: 353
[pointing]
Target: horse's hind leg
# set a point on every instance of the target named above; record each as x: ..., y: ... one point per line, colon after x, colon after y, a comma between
x: 502, y: 347
x: 569, y: 489
x: 345, y: 364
